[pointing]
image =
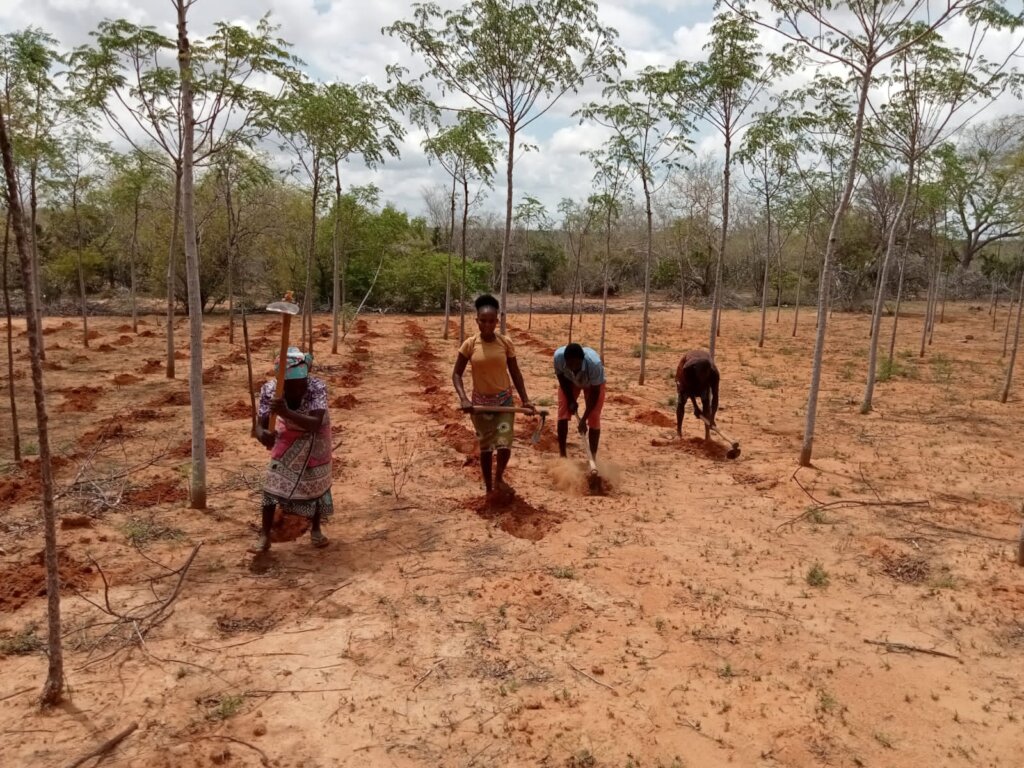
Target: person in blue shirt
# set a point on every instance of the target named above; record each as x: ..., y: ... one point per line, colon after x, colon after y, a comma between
x: 579, y: 369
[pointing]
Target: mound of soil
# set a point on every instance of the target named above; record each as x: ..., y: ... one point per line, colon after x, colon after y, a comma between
x: 548, y: 439
x: 345, y: 402
x: 460, y: 438
x: 514, y: 515
x: 362, y: 326
x: 179, y: 355
x: 166, y: 491
x: 213, y: 373
x: 426, y: 378
x: 79, y: 358
x: 361, y: 350
x: 622, y: 399
x: 413, y: 329
x: 152, y: 366
x: 353, y: 366
x: 93, y: 334
x: 49, y: 365
x: 80, y: 399
x: 180, y: 397
x: 287, y: 527
x: 425, y: 355
x: 348, y: 380
x: 238, y: 410
x: 147, y: 334
x: 238, y: 356
x: 105, y: 348
x: 125, y: 328
x: 124, y: 341
x: 183, y: 450
x: 25, y: 581
x: 124, y: 379
x: 111, y: 430
x: 655, y: 419
x: 697, y: 446
x: 142, y: 415
x: 15, y: 490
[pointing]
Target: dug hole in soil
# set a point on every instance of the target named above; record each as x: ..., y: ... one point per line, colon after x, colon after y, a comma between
x: 514, y: 515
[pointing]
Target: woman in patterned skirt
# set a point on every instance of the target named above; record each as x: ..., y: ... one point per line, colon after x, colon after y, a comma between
x: 299, y: 476
x: 492, y: 358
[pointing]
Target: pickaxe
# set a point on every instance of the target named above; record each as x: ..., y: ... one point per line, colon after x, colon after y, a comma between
x: 287, y: 309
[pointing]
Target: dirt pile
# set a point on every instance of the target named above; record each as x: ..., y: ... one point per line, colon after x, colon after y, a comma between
x: 514, y: 515
x: 183, y: 450
x: 655, y: 419
x: 166, y: 491
x: 21, y: 582
x: 344, y: 402
x: 80, y: 399
x: 178, y: 398
x: 125, y: 379
x: 238, y: 410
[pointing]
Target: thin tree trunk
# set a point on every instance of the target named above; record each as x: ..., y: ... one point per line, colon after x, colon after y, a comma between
x: 232, y: 234
x: 716, y: 301
x: 807, y: 449
x: 799, y: 284
x: 896, y: 314
x: 935, y: 302
x: 883, y: 274
x: 53, y: 688
x: 462, y: 288
x: 575, y: 283
x: 647, y: 281
x: 992, y: 301
x: 995, y: 307
x: 78, y: 262
x: 778, y: 285
x: 604, y: 277
x: 37, y: 268
x: 307, y: 317
x: 132, y: 248
x: 529, y: 269
x: 507, y: 239
x: 767, y: 263
x: 682, y: 275
x: 195, y: 300
x: 336, y: 306
x: 171, y: 270
x: 1006, y: 332
x: 945, y: 291
x: 1016, y: 342
x: 927, y: 308
x: 448, y: 269
x: 16, y: 436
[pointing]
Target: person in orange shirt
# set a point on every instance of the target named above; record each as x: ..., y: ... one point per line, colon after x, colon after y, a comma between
x: 492, y: 358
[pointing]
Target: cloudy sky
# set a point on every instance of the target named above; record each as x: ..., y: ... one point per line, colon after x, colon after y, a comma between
x: 340, y: 40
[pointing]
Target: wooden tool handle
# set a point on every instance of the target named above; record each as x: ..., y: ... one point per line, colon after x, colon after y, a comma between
x: 506, y: 409
x: 282, y: 363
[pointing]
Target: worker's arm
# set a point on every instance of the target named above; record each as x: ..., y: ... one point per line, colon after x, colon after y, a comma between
x: 567, y: 389
x: 304, y: 422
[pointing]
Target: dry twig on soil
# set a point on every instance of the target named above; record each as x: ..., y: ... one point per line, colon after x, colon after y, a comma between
x: 105, y: 747
x: 822, y: 506
x: 904, y: 648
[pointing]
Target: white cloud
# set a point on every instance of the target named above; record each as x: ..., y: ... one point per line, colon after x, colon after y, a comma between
x: 343, y: 41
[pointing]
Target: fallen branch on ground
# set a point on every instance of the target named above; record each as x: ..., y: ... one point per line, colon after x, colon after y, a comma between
x: 592, y: 679
x: 822, y: 506
x: 904, y: 648
x: 105, y: 747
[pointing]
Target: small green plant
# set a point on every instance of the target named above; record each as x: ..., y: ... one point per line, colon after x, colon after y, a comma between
x: 827, y: 703
x: 942, y: 368
x: 226, y: 707
x: 141, y: 532
x: 23, y: 643
x: 885, y: 740
x: 945, y: 580
x: 726, y: 672
x: 817, y: 576
x: 562, y: 572
x: 888, y: 369
x: 846, y: 373
x: 545, y: 401
x: 817, y: 515
x: 764, y: 383
x: 582, y: 759
x: 660, y: 624
x: 671, y: 402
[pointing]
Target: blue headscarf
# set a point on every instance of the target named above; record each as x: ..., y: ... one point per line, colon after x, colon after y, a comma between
x: 297, y: 364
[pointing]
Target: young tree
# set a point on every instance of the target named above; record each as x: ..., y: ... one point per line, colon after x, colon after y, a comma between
x: 128, y: 75
x: 466, y: 151
x: 532, y: 213
x: 610, y: 182
x: 53, y: 688
x: 1016, y: 341
x: 15, y: 434
x: 770, y: 157
x: 648, y: 136
x: 858, y: 39
x: 720, y: 91
x: 930, y: 86
x: 984, y: 175
x: 576, y: 221
x: 134, y: 175
x: 511, y: 60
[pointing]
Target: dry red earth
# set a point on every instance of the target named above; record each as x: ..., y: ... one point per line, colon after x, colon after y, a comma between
x: 705, y: 612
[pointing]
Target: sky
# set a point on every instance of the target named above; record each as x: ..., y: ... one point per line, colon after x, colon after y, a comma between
x: 341, y: 40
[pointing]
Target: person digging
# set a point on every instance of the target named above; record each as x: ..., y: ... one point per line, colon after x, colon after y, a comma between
x: 697, y: 377
x: 298, y: 479
x: 579, y: 370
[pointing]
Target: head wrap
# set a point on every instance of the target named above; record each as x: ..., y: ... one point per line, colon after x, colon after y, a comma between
x: 297, y: 364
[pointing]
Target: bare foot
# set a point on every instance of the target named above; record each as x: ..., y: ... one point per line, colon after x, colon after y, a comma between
x: 262, y: 545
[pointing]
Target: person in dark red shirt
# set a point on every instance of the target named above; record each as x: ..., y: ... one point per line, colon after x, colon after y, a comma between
x: 697, y: 376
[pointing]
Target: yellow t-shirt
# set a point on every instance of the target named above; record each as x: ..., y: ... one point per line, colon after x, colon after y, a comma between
x: 489, y: 363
